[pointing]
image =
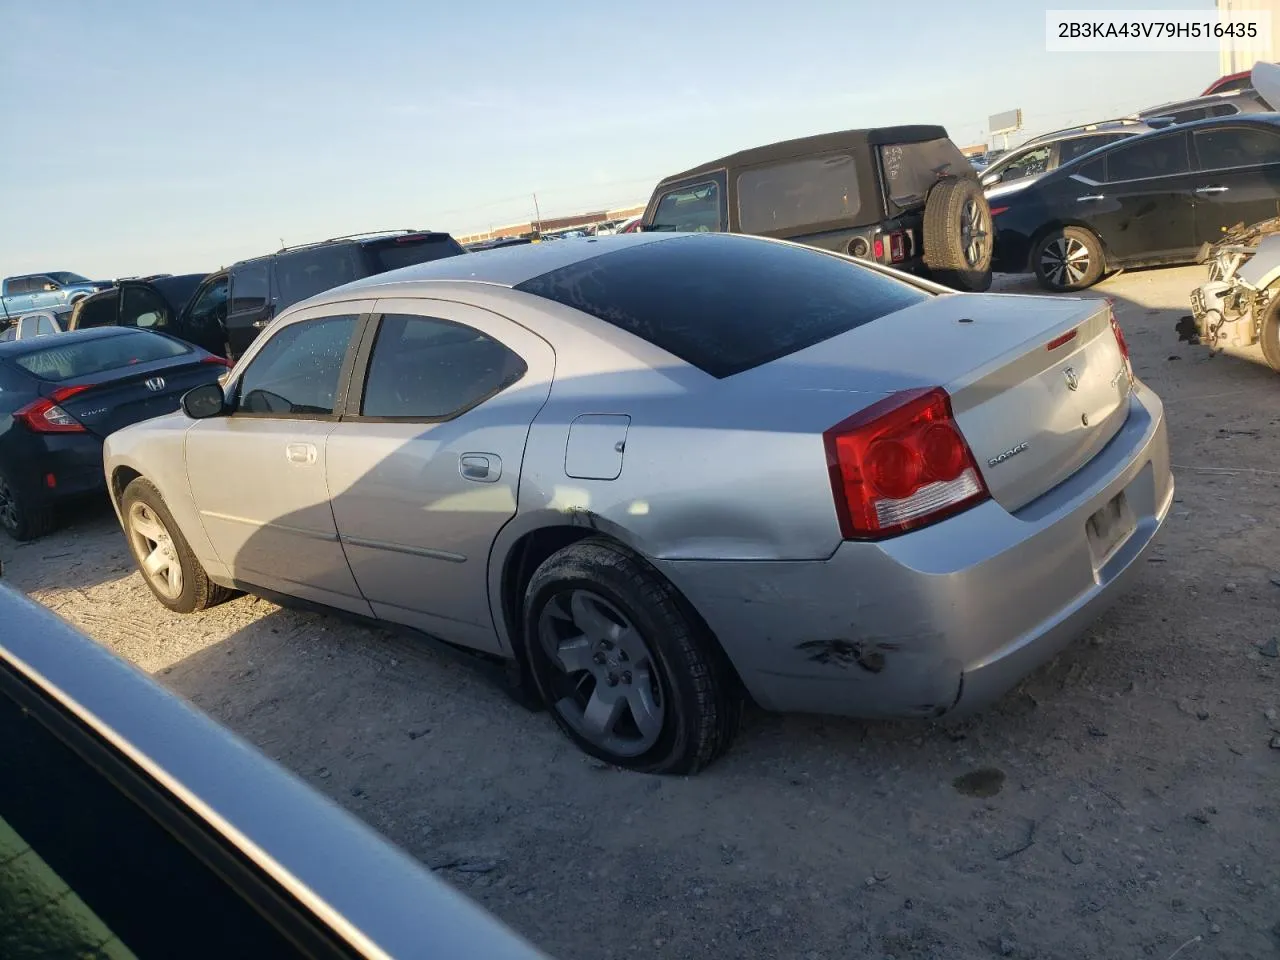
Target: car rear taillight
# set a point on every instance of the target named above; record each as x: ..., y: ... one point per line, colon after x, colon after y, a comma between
x: 878, y: 249
x: 1120, y: 341
x: 45, y: 416
x: 901, y: 464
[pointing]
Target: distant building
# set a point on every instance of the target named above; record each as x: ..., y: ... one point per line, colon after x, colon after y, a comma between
x: 554, y: 224
x: 977, y: 150
x: 1237, y: 54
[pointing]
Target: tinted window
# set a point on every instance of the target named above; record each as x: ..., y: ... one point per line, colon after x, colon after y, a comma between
x: 1068, y: 150
x: 726, y: 303
x: 1236, y: 147
x: 178, y: 290
x: 797, y: 193
x: 911, y: 169
x: 20, y: 285
x: 430, y: 369
x: 1027, y: 163
x: 1224, y: 110
x: 1095, y: 170
x: 142, y: 307
x: 406, y: 251
x: 1186, y: 116
x: 297, y: 370
x: 98, y: 311
x: 70, y: 357
x: 210, y: 306
x: 250, y: 287
x: 1147, y: 158
x: 694, y: 209
x: 308, y: 272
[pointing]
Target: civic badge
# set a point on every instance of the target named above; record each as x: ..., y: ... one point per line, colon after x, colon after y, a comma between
x: 155, y: 384
x: 1073, y: 381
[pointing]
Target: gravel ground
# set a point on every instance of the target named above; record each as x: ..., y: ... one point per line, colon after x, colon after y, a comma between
x: 1123, y: 802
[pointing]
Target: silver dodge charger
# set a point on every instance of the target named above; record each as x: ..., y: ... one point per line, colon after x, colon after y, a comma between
x: 658, y: 474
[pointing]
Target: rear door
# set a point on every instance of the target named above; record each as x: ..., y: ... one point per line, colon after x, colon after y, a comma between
x: 1237, y: 177
x: 1145, y: 211
x: 257, y: 475
x: 424, y: 468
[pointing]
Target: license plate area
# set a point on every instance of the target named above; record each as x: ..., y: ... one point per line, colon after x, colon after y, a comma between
x: 1109, y: 527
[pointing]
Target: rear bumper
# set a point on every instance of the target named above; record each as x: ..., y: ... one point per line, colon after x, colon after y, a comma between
x: 946, y: 618
x: 75, y: 463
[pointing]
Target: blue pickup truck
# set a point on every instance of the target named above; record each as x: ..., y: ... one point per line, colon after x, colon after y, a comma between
x: 45, y: 291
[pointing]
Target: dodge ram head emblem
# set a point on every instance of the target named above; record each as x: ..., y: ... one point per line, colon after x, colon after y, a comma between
x: 155, y: 384
x: 1073, y: 381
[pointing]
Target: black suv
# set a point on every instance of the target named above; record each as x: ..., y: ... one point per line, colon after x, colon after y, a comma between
x: 243, y: 298
x: 902, y: 196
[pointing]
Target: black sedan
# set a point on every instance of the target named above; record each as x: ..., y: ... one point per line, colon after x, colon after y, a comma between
x: 60, y: 396
x: 1147, y: 200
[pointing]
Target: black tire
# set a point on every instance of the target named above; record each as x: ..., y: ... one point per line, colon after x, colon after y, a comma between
x: 686, y: 676
x: 1067, y: 259
x: 25, y: 514
x: 1269, y: 335
x: 195, y: 590
x: 958, y: 235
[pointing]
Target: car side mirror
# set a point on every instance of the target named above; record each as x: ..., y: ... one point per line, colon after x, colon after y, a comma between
x: 991, y: 179
x: 204, y: 401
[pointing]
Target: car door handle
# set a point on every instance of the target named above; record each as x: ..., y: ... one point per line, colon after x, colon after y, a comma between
x: 1094, y: 196
x: 1218, y: 189
x: 259, y: 324
x: 304, y: 453
x: 480, y: 467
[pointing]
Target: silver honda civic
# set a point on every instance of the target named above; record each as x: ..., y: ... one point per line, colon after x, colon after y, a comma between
x: 658, y: 474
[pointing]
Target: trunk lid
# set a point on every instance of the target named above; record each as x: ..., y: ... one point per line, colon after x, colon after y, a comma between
x: 1032, y: 415
x: 114, y: 399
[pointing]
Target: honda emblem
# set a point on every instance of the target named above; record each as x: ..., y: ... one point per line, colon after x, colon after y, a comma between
x: 156, y: 384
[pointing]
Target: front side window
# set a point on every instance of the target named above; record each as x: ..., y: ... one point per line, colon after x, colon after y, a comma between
x: 144, y: 308
x: 250, y: 288
x: 1028, y: 163
x: 210, y: 307
x: 1148, y: 158
x: 692, y: 209
x: 297, y: 370
x: 428, y: 369
x: 798, y: 193
x: 1230, y: 147
x: 307, y: 272
x: 44, y: 326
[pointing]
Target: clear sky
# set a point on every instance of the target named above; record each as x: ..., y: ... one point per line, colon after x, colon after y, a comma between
x: 148, y: 136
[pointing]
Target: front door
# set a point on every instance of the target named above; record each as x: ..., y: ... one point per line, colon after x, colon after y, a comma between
x: 258, y: 474
x: 204, y: 319
x: 1238, y: 177
x: 1145, y: 211
x: 424, y: 468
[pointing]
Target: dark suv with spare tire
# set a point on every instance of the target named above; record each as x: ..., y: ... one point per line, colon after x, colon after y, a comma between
x: 905, y: 197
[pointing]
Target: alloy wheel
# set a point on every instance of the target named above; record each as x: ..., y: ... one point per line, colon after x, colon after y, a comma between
x: 974, y: 232
x: 1065, y: 261
x: 604, y: 680
x: 155, y: 550
x: 8, y: 506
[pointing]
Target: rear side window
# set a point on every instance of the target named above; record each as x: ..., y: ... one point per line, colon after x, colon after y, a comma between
x: 143, y: 307
x: 1148, y: 158
x: 250, y: 287
x: 1230, y: 147
x: 1028, y: 163
x: 308, y: 272
x: 297, y: 371
x: 69, y: 357
x: 99, y: 311
x: 911, y: 169
x: 797, y: 193
x: 428, y: 369
x: 726, y: 303
x: 691, y: 209
x: 408, y: 251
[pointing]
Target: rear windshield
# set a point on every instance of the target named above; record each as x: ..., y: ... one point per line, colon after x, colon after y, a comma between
x: 394, y: 254
x: 68, y: 357
x: 797, y: 193
x: 726, y: 303
x: 911, y: 169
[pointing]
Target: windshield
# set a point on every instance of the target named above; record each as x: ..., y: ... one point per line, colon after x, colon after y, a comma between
x: 64, y: 278
x: 68, y: 358
x: 911, y: 169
